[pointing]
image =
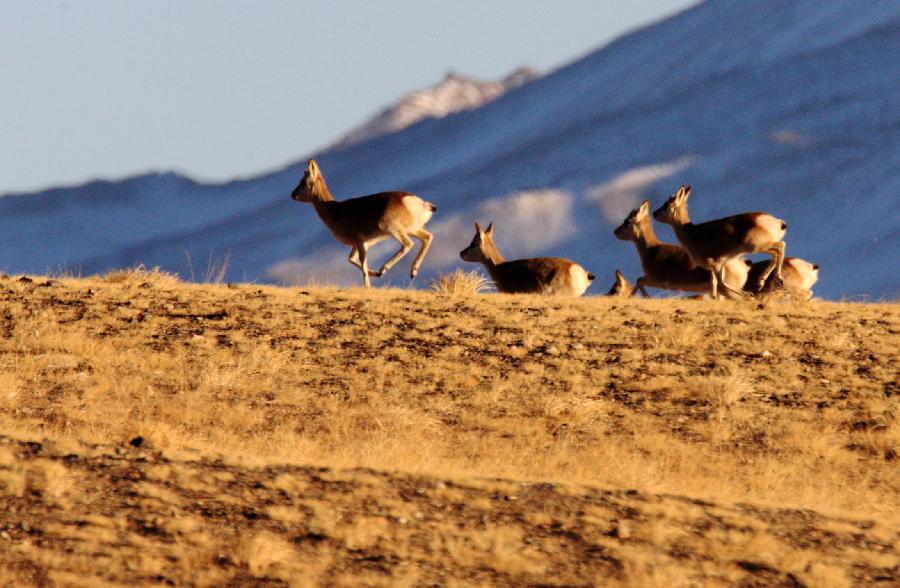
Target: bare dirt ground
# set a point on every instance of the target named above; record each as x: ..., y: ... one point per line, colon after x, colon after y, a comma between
x: 158, y: 432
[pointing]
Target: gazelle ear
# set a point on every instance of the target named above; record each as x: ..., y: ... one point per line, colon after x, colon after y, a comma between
x: 644, y: 209
x: 685, y: 192
x: 478, y: 228
x: 490, y: 230
x: 313, y: 168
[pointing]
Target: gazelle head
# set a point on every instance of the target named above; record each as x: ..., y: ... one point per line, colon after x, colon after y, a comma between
x: 674, y: 211
x: 622, y: 287
x: 630, y: 228
x: 482, y: 245
x: 311, y: 184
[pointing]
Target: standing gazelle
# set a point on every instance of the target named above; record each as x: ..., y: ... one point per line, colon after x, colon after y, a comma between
x: 713, y: 243
x: 669, y: 266
x: 361, y: 222
x: 546, y: 275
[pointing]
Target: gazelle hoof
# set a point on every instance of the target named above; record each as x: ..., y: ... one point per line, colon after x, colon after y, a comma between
x: 375, y: 274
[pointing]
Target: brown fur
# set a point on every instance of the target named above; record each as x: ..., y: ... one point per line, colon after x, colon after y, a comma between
x: 551, y: 275
x: 360, y: 222
x: 711, y: 244
x: 665, y: 266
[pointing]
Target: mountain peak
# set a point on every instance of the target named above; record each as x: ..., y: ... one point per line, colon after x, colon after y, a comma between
x: 454, y: 93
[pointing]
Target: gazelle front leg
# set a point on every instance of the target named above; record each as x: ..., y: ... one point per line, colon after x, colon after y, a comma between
x: 713, y: 285
x: 363, y: 264
x: 426, y: 238
x: 719, y: 275
x: 354, y: 258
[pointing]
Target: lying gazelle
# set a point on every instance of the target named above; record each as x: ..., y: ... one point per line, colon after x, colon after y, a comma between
x: 364, y: 221
x: 711, y: 244
x: 622, y: 287
x: 668, y: 266
x: 547, y: 275
x: 798, y: 275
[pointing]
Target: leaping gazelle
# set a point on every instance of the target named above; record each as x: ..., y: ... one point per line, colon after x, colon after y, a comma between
x: 363, y: 221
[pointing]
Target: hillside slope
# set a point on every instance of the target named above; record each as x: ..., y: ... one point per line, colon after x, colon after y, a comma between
x: 153, y: 519
x: 788, y: 108
x: 194, y: 433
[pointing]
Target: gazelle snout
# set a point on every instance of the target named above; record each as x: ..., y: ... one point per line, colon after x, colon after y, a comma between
x: 624, y: 231
x: 471, y: 253
x: 664, y: 213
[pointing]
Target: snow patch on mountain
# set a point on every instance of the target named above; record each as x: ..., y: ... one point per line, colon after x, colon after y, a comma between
x: 455, y: 93
x: 618, y: 196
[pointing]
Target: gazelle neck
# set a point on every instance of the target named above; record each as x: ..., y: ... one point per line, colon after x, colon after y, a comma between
x: 492, y: 255
x: 320, y: 192
x: 645, y: 236
x: 321, y: 197
x: 681, y: 223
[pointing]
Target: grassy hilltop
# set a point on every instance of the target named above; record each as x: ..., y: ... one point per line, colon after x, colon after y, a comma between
x: 155, y: 431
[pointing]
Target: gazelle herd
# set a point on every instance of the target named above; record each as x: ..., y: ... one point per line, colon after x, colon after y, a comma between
x: 709, y: 259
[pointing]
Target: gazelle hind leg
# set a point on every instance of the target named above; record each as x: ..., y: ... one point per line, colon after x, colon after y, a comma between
x: 405, y: 245
x: 425, y: 237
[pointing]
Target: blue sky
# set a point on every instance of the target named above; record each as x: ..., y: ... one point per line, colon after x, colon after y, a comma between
x: 215, y: 89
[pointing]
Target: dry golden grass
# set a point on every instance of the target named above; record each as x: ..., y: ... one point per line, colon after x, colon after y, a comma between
x: 653, y: 442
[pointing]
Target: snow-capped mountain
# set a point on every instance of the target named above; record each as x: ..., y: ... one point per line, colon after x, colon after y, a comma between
x: 454, y: 93
x: 787, y: 107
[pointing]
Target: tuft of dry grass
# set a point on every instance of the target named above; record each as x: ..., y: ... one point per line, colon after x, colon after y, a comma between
x: 140, y: 276
x: 460, y: 283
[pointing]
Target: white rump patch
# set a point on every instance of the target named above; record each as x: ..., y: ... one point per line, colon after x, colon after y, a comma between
x: 772, y: 226
x: 578, y: 278
x: 617, y: 197
x: 420, y: 210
